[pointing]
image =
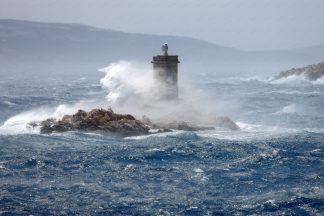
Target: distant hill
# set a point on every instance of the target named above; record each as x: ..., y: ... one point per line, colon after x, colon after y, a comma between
x: 42, y: 46
x: 310, y: 72
x: 34, y: 40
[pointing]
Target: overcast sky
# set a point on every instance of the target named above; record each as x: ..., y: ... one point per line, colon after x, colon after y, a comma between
x: 244, y: 24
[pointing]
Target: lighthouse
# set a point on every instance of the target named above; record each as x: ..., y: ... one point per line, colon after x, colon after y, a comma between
x: 165, y: 74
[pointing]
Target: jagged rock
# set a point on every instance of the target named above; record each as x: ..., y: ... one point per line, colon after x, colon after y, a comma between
x: 188, y: 127
x: 146, y: 120
x: 310, y: 72
x: 125, y: 125
x: 96, y: 120
x: 166, y: 126
x: 169, y: 126
x: 225, y: 122
x: 164, y: 130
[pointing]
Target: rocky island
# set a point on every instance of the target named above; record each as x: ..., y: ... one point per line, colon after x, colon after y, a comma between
x: 95, y: 120
x: 310, y: 72
x: 107, y: 121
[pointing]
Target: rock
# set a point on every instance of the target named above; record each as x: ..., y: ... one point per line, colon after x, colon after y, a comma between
x: 96, y: 120
x: 168, y: 127
x: 125, y: 125
x: 146, y: 120
x: 47, y: 126
x: 310, y: 72
x: 163, y: 130
x: 226, y: 122
x: 189, y: 127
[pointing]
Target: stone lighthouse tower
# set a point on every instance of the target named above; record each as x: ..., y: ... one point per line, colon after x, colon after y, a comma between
x: 165, y: 69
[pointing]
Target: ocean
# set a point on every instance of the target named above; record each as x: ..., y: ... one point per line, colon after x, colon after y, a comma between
x: 274, y: 165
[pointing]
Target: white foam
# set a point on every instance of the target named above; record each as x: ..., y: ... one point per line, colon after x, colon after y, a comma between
x: 295, y: 92
x: 127, y: 81
x: 9, y: 103
x: 198, y: 170
x: 319, y: 81
x: 19, y: 124
x: 164, y: 134
x: 256, y: 78
x: 292, y: 79
x: 235, y: 80
x: 199, y: 174
x: 290, y: 109
x: 249, y: 132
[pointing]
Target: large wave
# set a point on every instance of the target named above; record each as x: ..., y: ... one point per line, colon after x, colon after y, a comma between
x: 19, y: 124
x: 293, y: 79
x: 131, y: 89
x: 127, y: 82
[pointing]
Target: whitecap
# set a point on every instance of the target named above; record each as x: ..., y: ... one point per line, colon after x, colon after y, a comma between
x: 249, y: 132
x: 292, y: 79
x: 198, y: 170
x: 8, y: 103
x: 164, y: 134
x: 19, y: 124
x: 295, y: 92
x: 289, y: 109
x: 319, y: 81
x: 235, y: 80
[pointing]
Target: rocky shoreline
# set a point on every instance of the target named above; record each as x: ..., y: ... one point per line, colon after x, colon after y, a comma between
x: 310, y: 72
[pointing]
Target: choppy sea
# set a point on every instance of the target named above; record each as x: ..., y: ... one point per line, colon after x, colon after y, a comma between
x: 273, y: 166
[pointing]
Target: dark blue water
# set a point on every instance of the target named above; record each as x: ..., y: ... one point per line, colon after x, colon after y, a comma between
x: 273, y: 166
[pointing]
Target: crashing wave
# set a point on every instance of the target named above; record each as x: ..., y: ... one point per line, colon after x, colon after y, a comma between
x: 314, y: 73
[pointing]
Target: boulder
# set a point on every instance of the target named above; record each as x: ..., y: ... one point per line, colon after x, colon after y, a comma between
x: 96, y: 120
x: 225, y: 122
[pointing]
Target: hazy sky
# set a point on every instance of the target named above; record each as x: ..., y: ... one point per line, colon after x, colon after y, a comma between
x: 245, y: 24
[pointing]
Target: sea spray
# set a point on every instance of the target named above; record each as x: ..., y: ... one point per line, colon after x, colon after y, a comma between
x: 131, y: 90
x: 20, y: 123
x: 127, y: 82
x: 129, y: 86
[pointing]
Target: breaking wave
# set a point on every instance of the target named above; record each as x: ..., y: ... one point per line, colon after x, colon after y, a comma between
x: 293, y: 79
x: 127, y: 82
x: 19, y: 124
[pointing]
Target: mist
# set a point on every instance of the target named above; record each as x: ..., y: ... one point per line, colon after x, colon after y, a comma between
x: 131, y: 89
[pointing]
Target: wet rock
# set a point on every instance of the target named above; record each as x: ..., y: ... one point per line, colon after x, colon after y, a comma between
x: 146, y: 120
x: 125, y: 125
x: 164, y: 130
x: 226, y: 122
x: 310, y: 72
x: 168, y: 127
x: 96, y: 120
x: 165, y: 126
x: 188, y: 127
